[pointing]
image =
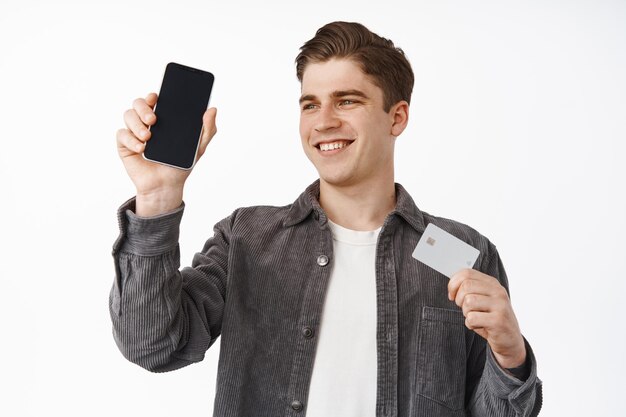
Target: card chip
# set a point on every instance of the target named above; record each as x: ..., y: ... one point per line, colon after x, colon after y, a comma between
x: 430, y: 241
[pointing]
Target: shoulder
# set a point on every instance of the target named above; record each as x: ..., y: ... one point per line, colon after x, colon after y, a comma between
x: 262, y: 214
x: 252, y: 220
x: 419, y: 220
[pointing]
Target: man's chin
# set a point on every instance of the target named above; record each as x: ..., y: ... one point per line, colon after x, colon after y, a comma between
x: 337, y: 180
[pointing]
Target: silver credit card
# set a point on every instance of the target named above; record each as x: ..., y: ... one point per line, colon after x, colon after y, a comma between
x: 444, y: 252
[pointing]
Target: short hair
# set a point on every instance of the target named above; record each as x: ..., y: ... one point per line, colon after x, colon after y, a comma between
x: 378, y: 57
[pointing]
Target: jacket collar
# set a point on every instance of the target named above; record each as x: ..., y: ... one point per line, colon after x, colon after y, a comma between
x: 308, y: 202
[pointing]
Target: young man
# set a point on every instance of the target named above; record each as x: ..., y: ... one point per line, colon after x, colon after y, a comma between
x: 321, y: 309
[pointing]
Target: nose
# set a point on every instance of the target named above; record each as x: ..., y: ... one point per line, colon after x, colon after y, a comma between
x: 327, y: 118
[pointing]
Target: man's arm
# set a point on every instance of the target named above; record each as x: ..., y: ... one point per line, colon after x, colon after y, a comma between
x: 163, y: 318
x: 494, y: 390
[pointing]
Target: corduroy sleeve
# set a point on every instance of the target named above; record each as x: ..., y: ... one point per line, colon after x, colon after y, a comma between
x: 497, y: 392
x: 165, y: 318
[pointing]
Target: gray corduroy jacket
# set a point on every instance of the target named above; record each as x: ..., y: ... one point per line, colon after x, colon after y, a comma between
x: 260, y: 283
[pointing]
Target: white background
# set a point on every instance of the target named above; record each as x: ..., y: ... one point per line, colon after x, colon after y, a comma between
x: 517, y: 129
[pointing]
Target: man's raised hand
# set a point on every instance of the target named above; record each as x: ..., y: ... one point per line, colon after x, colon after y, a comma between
x: 159, y: 187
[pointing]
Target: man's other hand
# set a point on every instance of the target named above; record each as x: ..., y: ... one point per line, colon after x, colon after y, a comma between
x: 488, y: 311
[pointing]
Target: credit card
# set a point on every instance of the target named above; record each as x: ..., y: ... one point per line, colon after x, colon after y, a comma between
x: 444, y: 252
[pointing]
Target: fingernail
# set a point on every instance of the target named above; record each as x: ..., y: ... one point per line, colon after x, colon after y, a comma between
x: 143, y: 133
x: 139, y: 147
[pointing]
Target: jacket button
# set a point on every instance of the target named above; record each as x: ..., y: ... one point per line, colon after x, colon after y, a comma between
x: 297, y: 405
x: 322, y: 260
x: 307, y: 332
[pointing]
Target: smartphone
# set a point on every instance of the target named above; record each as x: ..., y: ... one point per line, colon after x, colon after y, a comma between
x: 183, y: 99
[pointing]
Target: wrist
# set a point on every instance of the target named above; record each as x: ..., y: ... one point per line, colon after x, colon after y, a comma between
x: 513, y: 359
x: 153, y: 203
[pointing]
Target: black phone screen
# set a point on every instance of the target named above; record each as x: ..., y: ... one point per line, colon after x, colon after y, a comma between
x: 182, y: 101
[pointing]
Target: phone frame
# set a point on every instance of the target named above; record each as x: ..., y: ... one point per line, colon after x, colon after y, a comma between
x: 195, y: 158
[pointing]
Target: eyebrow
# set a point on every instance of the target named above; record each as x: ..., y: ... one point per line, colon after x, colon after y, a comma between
x: 335, y: 94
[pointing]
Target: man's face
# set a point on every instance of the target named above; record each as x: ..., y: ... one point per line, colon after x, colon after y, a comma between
x: 345, y: 131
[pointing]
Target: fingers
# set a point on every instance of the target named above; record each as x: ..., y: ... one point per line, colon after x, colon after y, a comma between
x: 455, y: 282
x: 135, y: 125
x: 140, y: 117
x: 144, y: 108
x: 472, y: 286
x: 209, y: 129
x: 474, y: 291
x: 469, y: 281
x: 465, y: 278
x: 127, y: 143
x: 476, y: 302
x: 475, y: 320
x: 151, y: 99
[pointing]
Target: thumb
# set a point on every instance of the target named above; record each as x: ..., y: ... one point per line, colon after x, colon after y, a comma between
x: 209, y: 129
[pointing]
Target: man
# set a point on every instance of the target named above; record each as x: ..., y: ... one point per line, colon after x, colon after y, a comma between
x: 321, y: 308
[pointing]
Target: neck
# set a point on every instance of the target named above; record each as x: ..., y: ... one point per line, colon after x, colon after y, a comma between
x: 359, y: 206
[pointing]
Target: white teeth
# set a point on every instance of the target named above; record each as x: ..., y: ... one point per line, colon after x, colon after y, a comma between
x: 332, y: 146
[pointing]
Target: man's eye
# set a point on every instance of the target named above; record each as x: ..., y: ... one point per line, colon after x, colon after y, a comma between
x: 308, y: 106
x: 346, y: 102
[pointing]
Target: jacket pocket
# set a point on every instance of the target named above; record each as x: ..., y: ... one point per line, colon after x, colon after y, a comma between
x: 441, y: 357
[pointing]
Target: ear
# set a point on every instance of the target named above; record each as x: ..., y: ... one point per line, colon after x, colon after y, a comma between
x: 399, y: 114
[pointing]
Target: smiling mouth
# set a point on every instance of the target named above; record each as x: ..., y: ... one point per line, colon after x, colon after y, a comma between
x: 331, y: 146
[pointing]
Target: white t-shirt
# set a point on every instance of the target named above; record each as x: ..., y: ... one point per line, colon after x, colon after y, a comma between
x: 345, y: 369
